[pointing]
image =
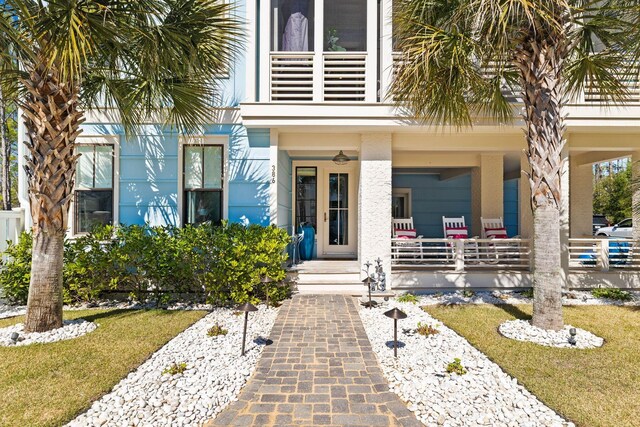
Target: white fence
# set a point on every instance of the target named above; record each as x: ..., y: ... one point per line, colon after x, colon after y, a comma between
x: 11, y: 225
x: 603, y: 254
x: 461, y: 254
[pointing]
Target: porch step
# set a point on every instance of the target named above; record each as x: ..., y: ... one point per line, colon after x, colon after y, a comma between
x: 328, y: 277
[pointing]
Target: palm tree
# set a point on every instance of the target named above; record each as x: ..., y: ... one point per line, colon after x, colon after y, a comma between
x: 142, y: 58
x: 463, y: 58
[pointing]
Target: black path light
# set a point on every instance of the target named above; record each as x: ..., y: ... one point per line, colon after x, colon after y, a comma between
x: 265, y: 280
x: 395, y: 314
x: 246, y: 307
x: 367, y: 283
x: 572, y: 337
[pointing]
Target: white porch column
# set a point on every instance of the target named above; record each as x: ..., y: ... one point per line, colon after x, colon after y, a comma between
x: 526, y: 216
x: 565, y: 207
x: 386, y: 48
x: 251, y: 46
x: 371, y: 75
x: 487, y: 190
x: 374, y: 201
x: 273, y: 177
x: 635, y: 196
x: 318, y: 49
x: 581, y: 200
x: 264, y: 70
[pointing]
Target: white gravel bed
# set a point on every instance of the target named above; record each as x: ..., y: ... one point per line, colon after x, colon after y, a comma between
x: 516, y: 297
x: 523, y: 330
x: 215, y: 373
x: 484, y: 396
x: 70, y: 329
x: 11, y: 310
x: 7, y: 310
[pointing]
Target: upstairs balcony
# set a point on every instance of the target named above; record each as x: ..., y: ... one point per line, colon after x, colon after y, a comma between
x: 314, y: 53
x: 323, y: 50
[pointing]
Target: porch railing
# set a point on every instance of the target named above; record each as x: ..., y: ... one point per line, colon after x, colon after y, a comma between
x: 461, y: 254
x: 11, y: 225
x: 603, y: 254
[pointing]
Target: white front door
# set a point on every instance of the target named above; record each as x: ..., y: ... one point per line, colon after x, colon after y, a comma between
x: 337, y: 205
x: 339, y: 215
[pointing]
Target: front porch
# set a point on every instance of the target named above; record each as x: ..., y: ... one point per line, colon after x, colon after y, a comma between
x: 425, y: 176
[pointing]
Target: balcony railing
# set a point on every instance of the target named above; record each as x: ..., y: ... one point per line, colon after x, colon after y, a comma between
x: 461, y: 254
x: 344, y: 76
x: 292, y: 76
x: 629, y: 76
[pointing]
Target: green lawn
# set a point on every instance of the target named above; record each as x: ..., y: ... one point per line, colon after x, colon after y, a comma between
x: 49, y: 384
x: 599, y: 387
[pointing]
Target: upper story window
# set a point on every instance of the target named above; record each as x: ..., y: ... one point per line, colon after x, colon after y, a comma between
x: 345, y: 25
x: 203, y: 184
x: 293, y: 25
x: 93, y: 201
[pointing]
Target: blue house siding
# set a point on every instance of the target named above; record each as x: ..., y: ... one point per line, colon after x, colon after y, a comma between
x: 249, y: 175
x: 512, y: 206
x: 431, y: 199
x: 284, y: 191
x: 149, y: 177
x: 149, y: 173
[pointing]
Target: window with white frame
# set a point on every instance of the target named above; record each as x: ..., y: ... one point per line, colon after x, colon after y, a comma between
x: 93, y: 194
x: 203, y: 190
x: 401, y: 203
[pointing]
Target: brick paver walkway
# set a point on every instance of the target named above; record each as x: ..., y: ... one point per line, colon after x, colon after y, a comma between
x: 320, y: 370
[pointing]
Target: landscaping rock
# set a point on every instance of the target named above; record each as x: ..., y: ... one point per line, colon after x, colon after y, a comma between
x: 523, y: 330
x: 485, y: 395
x: 215, y: 372
x: 70, y: 329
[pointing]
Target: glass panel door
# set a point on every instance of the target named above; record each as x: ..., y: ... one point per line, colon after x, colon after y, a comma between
x: 338, y: 209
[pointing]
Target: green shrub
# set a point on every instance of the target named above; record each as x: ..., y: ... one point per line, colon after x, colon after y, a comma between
x: 220, y: 264
x: 527, y: 293
x: 426, y: 330
x: 88, y: 266
x: 408, y: 297
x: 612, y: 293
x: 15, y: 270
x: 456, y: 367
x: 216, y: 330
x: 468, y: 293
x: 241, y: 255
x: 175, y: 368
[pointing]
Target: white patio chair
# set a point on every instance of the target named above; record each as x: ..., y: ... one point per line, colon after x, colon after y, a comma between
x: 455, y: 226
x: 493, y: 228
x: 407, y: 244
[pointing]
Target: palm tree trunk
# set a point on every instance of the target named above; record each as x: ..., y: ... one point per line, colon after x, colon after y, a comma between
x: 52, y: 120
x: 540, y: 65
x: 5, y: 153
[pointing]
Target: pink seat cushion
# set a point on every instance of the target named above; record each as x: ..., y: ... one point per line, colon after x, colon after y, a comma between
x: 409, y: 233
x: 496, y: 233
x: 457, y: 233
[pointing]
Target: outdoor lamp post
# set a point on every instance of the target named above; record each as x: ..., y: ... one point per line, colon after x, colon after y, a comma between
x: 246, y: 307
x: 367, y: 283
x: 265, y: 280
x: 395, y: 314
